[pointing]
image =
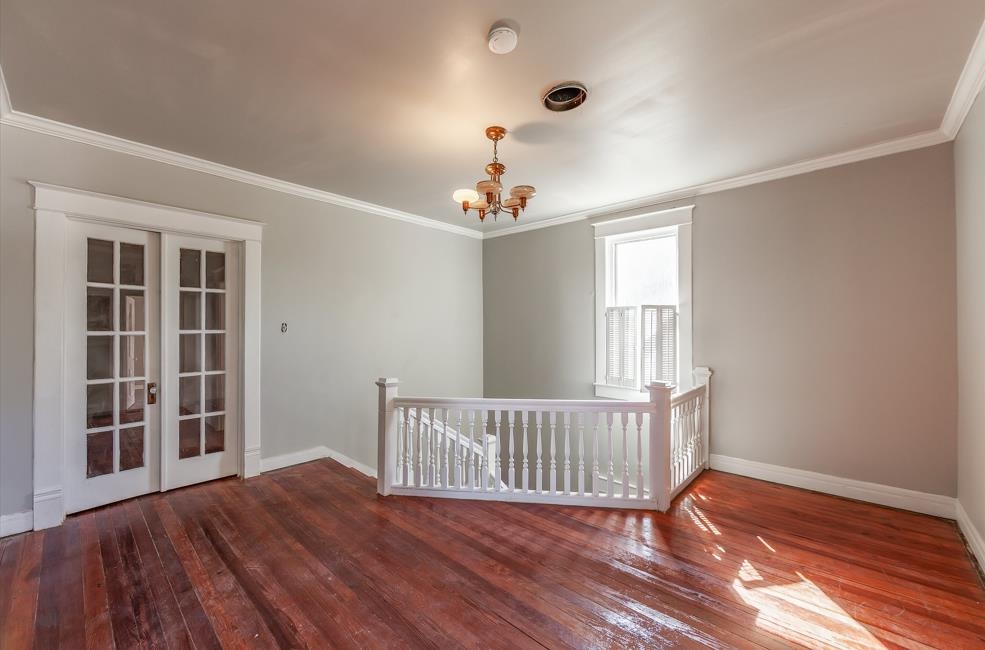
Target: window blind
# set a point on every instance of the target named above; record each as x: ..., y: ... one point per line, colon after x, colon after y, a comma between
x: 659, y: 342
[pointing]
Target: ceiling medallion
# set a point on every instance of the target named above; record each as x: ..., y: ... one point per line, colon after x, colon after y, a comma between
x: 486, y: 196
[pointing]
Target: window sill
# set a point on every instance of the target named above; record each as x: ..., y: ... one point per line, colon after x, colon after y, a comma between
x: 621, y: 393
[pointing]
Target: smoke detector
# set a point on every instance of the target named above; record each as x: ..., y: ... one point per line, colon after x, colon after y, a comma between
x: 502, y: 39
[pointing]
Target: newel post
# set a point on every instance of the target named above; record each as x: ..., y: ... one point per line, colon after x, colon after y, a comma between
x: 386, y: 452
x: 660, y: 425
x: 702, y: 377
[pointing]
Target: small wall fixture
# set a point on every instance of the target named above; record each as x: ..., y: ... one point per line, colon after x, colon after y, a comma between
x: 564, y: 97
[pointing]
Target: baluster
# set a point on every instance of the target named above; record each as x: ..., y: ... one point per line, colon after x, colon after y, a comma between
x: 553, y: 461
x: 526, y: 466
x: 581, y: 453
x: 418, y: 456
x: 484, y: 458
x: 639, y: 455
x: 429, y: 477
x: 702, y: 414
x: 678, y: 433
x: 540, y: 451
x: 612, y: 463
x: 498, y: 478
x: 398, y: 471
x: 595, y: 456
x: 566, y: 418
x: 443, y: 453
x: 470, y: 454
x: 510, y: 417
x: 690, y: 438
x: 459, y: 476
x: 690, y: 446
x: 624, y: 418
x: 405, y: 459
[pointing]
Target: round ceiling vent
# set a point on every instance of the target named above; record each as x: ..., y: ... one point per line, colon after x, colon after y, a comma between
x: 564, y: 97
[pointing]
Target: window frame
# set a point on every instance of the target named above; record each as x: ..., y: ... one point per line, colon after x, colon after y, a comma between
x: 648, y: 225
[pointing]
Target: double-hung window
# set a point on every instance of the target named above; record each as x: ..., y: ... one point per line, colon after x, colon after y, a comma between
x: 643, y: 303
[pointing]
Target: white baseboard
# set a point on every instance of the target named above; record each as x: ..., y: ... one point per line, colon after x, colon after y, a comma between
x: 293, y: 458
x: 884, y: 495
x: 348, y: 462
x: 17, y: 522
x: 314, y: 453
x: 251, y: 462
x: 975, y: 538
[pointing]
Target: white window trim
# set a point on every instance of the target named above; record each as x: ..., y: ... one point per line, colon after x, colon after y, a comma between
x: 54, y: 206
x: 637, y: 227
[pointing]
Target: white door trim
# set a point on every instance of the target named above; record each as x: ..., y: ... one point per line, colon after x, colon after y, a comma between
x: 54, y: 206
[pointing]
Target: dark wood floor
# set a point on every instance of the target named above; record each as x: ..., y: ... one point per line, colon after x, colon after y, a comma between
x: 309, y: 557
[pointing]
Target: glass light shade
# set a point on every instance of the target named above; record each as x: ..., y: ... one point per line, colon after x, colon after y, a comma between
x: 511, y: 202
x: 481, y: 204
x: 484, y: 187
x: 523, y: 191
x: 465, y: 195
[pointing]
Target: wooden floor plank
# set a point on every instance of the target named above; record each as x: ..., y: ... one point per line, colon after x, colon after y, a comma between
x: 95, y: 603
x: 310, y: 556
x: 19, y: 627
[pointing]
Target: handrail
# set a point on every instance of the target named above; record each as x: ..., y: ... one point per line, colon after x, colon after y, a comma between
x: 591, y: 406
x: 679, y: 398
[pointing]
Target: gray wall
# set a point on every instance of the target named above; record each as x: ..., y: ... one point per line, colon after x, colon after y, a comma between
x: 364, y: 296
x: 825, y: 304
x: 969, y: 181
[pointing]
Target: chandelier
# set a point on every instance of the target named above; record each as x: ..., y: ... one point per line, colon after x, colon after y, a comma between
x: 485, y: 198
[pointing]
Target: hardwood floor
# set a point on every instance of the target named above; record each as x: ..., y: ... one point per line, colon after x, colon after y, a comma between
x: 308, y: 556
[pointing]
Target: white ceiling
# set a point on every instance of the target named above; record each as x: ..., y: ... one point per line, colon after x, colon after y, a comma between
x: 386, y: 101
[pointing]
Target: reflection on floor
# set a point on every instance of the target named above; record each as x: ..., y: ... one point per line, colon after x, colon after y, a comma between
x: 309, y: 556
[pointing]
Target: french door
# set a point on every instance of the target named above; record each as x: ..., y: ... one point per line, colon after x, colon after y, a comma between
x: 201, y: 343
x: 151, y: 362
x: 112, y: 357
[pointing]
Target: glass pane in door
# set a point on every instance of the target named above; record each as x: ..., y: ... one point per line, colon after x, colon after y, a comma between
x: 99, y: 357
x: 131, y: 448
x: 189, y: 438
x: 215, y: 433
x: 99, y: 261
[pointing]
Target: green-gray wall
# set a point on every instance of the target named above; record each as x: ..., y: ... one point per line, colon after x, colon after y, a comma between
x: 969, y: 172
x: 824, y: 303
x: 364, y: 297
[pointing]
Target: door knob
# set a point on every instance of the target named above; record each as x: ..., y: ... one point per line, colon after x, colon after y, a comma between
x: 152, y: 393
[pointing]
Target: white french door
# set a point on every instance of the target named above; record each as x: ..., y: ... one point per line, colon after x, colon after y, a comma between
x: 152, y: 362
x: 201, y: 344
x: 112, y: 359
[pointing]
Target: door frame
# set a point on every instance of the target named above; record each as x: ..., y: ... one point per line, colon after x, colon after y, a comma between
x: 54, y: 206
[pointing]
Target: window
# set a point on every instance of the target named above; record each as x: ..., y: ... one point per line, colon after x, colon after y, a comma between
x: 643, y: 300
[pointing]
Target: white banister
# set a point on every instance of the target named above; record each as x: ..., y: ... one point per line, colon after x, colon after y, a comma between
x: 660, y: 444
x: 642, y: 453
x: 386, y: 453
x: 702, y: 377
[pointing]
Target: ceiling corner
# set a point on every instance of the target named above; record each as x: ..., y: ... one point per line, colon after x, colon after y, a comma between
x: 969, y: 85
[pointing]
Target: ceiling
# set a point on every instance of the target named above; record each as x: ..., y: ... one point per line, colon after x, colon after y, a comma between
x: 386, y: 101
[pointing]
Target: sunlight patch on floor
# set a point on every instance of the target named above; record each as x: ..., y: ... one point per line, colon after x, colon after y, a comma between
x: 801, y: 612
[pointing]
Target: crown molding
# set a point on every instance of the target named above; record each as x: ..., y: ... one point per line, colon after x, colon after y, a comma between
x: 532, y: 225
x: 624, y: 209
x: 45, y: 126
x: 969, y: 85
